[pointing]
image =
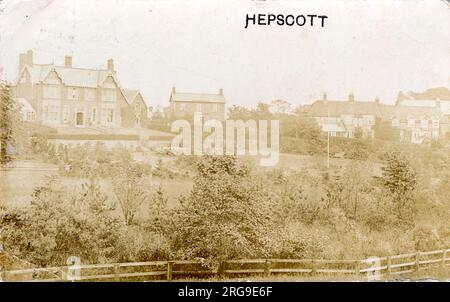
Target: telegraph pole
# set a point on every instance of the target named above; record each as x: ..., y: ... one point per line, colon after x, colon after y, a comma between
x: 328, y: 149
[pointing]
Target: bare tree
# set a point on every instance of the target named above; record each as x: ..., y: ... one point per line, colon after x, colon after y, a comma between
x: 131, y: 190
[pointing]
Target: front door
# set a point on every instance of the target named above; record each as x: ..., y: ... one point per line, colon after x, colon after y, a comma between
x: 80, y: 119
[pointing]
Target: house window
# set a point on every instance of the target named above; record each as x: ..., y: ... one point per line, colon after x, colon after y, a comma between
x: 424, y: 123
x: 94, y: 115
x: 435, y: 123
x: 46, y: 113
x: 411, y: 123
x: 182, y: 107
x: 72, y: 93
x: 65, y: 114
x: 198, y: 107
x: 215, y: 108
x: 89, y: 94
x: 395, y: 122
x: 52, y: 91
x: 110, y: 115
x: 137, y: 107
x: 109, y: 95
x: 30, y: 116
x: 53, y: 112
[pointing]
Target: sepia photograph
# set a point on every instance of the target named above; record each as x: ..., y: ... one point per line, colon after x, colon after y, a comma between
x: 224, y: 141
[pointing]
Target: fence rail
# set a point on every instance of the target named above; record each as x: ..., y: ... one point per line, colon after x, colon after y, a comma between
x: 166, y: 270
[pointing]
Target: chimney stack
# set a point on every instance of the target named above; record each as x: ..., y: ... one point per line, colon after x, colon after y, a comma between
x: 174, y: 90
x: 351, y: 97
x: 325, y: 97
x: 25, y: 59
x: 110, y: 65
x: 377, y: 100
x: 68, y: 61
x: 221, y: 91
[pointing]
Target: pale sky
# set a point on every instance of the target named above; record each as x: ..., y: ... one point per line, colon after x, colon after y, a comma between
x: 371, y: 48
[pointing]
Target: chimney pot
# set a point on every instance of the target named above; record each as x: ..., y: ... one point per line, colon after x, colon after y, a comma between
x: 221, y: 91
x: 68, y: 61
x: 30, y: 57
x: 324, y: 97
x: 110, y: 64
x: 25, y: 59
x: 174, y: 90
x: 351, y: 97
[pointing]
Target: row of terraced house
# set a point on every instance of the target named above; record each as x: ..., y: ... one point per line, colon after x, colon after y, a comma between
x: 418, y: 117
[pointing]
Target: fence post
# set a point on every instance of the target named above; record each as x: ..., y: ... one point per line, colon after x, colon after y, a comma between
x: 169, y: 270
x: 221, y: 268
x: 358, y: 267
x: 313, y: 266
x: 116, y: 272
x: 388, y: 266
x: 417, y: 261
x: 267, y: 268
x: 444, y: 257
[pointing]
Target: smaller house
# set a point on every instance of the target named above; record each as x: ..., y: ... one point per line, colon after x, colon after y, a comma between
x: 417, y: 124
x: 136, y: 114
x: 183, y: 105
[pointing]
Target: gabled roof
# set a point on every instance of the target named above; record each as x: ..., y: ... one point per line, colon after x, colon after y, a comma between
x: 197, y: 97
x: 335, y: 108
x: 25, y: 105
x: 130, y: 95
x: 78, y: 77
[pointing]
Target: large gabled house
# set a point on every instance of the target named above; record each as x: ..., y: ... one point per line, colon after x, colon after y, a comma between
x: 66, y: 96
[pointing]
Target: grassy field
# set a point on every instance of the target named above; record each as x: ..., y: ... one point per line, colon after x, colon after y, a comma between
x: 18, y: 183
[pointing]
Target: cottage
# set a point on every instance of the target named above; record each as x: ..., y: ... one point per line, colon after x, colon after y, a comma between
x: 183, y: 105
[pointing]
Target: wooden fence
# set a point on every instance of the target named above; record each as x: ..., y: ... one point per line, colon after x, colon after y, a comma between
x: 371, y: 268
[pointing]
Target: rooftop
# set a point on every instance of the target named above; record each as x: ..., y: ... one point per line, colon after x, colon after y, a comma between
x: 197, y: 97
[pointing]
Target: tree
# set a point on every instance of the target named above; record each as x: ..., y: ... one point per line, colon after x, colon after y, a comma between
x: 9, y: 119
x: 400, y: 180
x: 384, y: 130
x: 359, y: 133
x: 131, y: 189
x: 60, y: 224
x: 226, y: 215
